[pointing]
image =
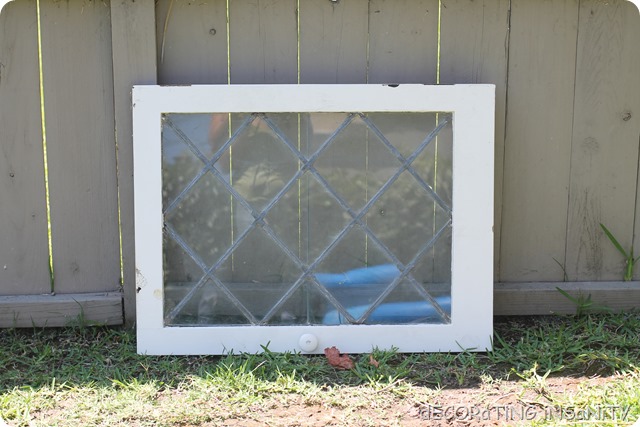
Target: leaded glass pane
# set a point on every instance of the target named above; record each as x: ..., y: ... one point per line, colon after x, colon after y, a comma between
x: 304, y: 219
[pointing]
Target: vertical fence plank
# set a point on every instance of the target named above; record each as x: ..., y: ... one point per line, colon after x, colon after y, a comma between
x: 24, y: 256
x: 403, y: 41
x: 78, y: 96
x: 403, y: 45
x: 333, y: 41
x: 263, y: 41
x: 605, y: 139
x: 542, y: 52
x: 134, y: 62
x: 263, y: 49
x: 192, y: 42
x: 633, y: 13
x: 473, y: 49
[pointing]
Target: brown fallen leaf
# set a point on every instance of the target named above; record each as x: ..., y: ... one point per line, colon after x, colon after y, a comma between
x: 337, y: 360
x: 373, y: 362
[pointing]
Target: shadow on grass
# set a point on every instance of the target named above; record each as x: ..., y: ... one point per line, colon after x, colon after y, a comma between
x: 598, y: 344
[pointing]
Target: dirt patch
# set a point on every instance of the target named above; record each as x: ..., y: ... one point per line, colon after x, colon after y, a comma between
x: 496, y: 404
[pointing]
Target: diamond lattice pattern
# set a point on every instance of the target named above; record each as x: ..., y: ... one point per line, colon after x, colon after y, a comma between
x: 321, y: 218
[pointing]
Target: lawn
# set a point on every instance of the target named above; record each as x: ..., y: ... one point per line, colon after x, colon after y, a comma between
x: 543, y: 371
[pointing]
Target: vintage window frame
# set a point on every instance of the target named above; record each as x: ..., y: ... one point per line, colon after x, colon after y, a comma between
x: 472, y: 108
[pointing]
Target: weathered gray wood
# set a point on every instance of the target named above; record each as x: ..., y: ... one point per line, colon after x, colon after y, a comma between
x: 24, y: 254
x: 604, y: 157
x: 192, y: 42
x: 61, y: 310
x: 263, y: 39
x: 542, y: 52
x: 403, y: 41
x: 333, y: 41
x: 516, y: 299
x: 78, y: 97
x: 473, y: 49
x: 634, y: 12
x: 263, y: 46
x: 134, y: 62
x: 333, y: 49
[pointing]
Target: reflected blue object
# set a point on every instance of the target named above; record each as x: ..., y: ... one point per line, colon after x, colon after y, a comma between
x: 376, y: 275
x: 394, y: 313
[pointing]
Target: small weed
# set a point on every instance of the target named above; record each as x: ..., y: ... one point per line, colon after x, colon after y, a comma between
x: 565, y: 276
x: 535, y: 382
x: 629, y: 259
x: 584, y: 305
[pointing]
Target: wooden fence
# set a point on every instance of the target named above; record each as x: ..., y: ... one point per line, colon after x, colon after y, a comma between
x: 567, y: 126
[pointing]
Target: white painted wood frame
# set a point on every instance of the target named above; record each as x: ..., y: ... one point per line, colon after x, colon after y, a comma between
x: 472, y: 108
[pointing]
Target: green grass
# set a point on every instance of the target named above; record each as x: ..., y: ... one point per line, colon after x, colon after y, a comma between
x: 92, y: 376
x: 629, y: 260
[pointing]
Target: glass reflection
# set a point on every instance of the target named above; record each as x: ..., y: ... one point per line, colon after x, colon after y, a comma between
x: 287, y: 218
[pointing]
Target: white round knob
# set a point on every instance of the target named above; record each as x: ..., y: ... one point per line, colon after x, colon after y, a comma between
x: 308, y: 342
